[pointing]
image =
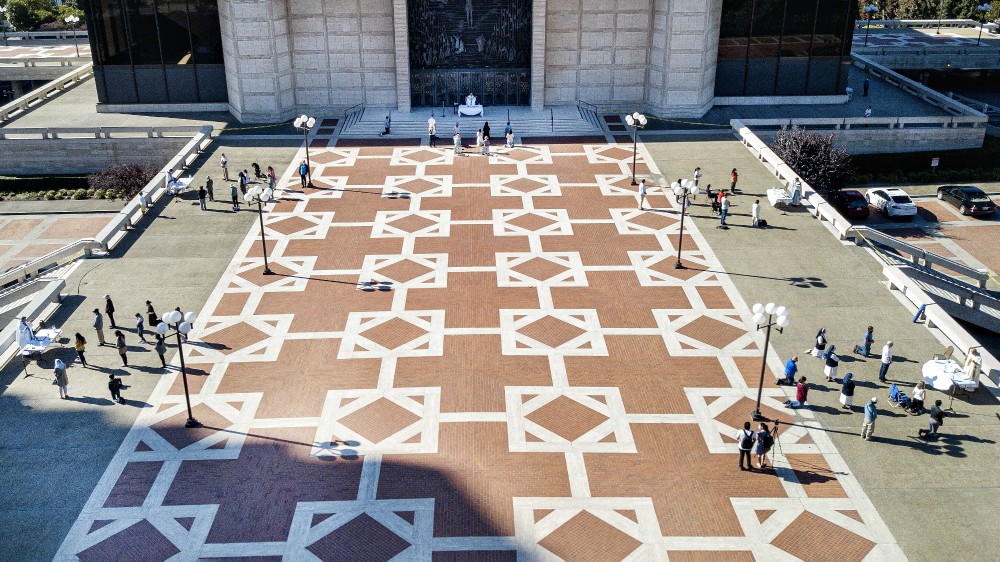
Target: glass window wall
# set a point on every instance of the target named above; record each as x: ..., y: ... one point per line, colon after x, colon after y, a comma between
x: 156, y: 51
x: 784, y: 47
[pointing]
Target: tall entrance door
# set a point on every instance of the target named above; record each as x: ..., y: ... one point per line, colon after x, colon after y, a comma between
x: 458, y: 47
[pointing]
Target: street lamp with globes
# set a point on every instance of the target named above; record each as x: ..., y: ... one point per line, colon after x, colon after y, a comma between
x: 982, y: 8
x: 305, y: 123
x: 682, y: 190
x: 72, y: 21
x: 259, y: 195
x: 636, y: 121
x: 182, y: 325
x: 870, y: 10
x: 765, y: 316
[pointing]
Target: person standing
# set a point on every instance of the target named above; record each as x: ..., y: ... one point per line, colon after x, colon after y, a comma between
x: 733, y: 177
x: 122, y: 347
x: 225, y: 167
x: 508, y: 134
x: 886, y: 360
x: 791, y: 367
x: 973, y: 362
x: 697, y: 175
x: 847, y: 392
x: 151, y: 314
x: 109, y: 309
x: 81, y: 347
x: 934, y: 422
x: 867, y: 340
x: 486, y: 145
x: 479, y: 138
x: 202, y: 194
x: 161, y: 349
x: 867, y: 84
x: 432, y: 132
x: 832, y: 362
x: 723, y: 209
x: 62, y: 379
x: 303, y: 173
x: 744, y: 440
x: 209, y: 187
x: 457, y: 140
x: 244, y: 180
x: 642, y: 192
x: 140, y: 328
x: 272, y: 178
x: 765, y: 440
x: 236, y: 197
x: 143, y: 206
x: 115, y: 386
x: 99, y: 326
x: 871, y: 413
x: 755, y: 214
x: 486, y: 129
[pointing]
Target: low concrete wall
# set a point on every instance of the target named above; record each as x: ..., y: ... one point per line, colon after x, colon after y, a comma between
x: 878, y: 139
x: 82, y: 155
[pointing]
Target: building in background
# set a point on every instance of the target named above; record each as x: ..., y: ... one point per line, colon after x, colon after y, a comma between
x: 270, y: 60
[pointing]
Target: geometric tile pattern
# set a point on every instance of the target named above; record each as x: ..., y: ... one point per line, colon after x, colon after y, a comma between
x: 472, y: 358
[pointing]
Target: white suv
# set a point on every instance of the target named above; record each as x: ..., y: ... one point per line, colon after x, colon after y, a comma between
x: 892, y: 201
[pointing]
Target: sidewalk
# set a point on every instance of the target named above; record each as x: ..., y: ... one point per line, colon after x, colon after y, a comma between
x: 934, y: 496
x: 55, y: 451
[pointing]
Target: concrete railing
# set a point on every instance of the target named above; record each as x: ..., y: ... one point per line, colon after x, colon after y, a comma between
x: 895, y: 24
x: 154, y: 190
x: 920, y: 256
x: 35, y: 309
x: 97, y: 132
x: 45, y: 61
x: 928, y: 95
x: 60, y: 257
x: 938, y: 318
x: 39, y: 95
x: 962, y: 299
x: 47, y: 35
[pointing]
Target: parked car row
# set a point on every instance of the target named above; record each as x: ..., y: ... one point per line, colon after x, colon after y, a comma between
x: 894, y: 202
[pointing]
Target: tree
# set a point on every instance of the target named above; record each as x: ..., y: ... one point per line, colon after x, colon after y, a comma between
x: 27, y: 15
x: 815, y: 158
x: 124, y: 179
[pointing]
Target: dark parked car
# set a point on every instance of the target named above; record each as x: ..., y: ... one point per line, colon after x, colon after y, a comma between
x: 969, y: 200
x: 851, y: 203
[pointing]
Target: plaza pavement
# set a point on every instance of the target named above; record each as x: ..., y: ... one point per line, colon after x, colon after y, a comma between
x: 26, y: 237
x: 936, y: 497
x: 473, y: 358
x: 54, y: 451
x: 519, y: 404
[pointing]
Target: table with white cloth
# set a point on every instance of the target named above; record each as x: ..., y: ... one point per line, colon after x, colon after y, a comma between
x: 470, y: 109
x: 779, y: 196
x: 946, y: 375
x: 42, y: 340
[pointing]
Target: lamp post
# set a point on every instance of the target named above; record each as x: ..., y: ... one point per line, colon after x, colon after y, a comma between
x: 683, y: 189
x: 259, y: 195
x: 870, y: 10
x: 636, y: 121
x: 72, y: 21
x: 305, y: 123
x: 764, y: 318
x: 983, y: 8
x: 3, y: 23
x: 182, y: 325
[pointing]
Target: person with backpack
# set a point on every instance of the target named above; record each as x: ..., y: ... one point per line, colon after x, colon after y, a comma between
x: 765, y: 440
x: 115, y: 385
x: 744, y: 440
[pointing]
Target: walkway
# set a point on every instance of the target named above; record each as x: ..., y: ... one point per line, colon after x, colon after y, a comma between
x: 472, y: 355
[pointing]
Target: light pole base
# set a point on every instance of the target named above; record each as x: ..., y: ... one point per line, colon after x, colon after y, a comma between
x: 678, y: 265
x: 191, y: 423
x: 267, y: 271
x: 635, y: 182
x: 757, y: 416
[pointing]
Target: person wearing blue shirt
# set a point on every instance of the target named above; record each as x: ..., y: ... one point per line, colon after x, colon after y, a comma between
x: 866, y: 346
x: 303, y: 172
x: 871, y: 413
x: 790, y: 369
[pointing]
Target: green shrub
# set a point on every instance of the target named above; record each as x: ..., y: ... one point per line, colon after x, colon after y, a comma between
x: 80, y: 194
